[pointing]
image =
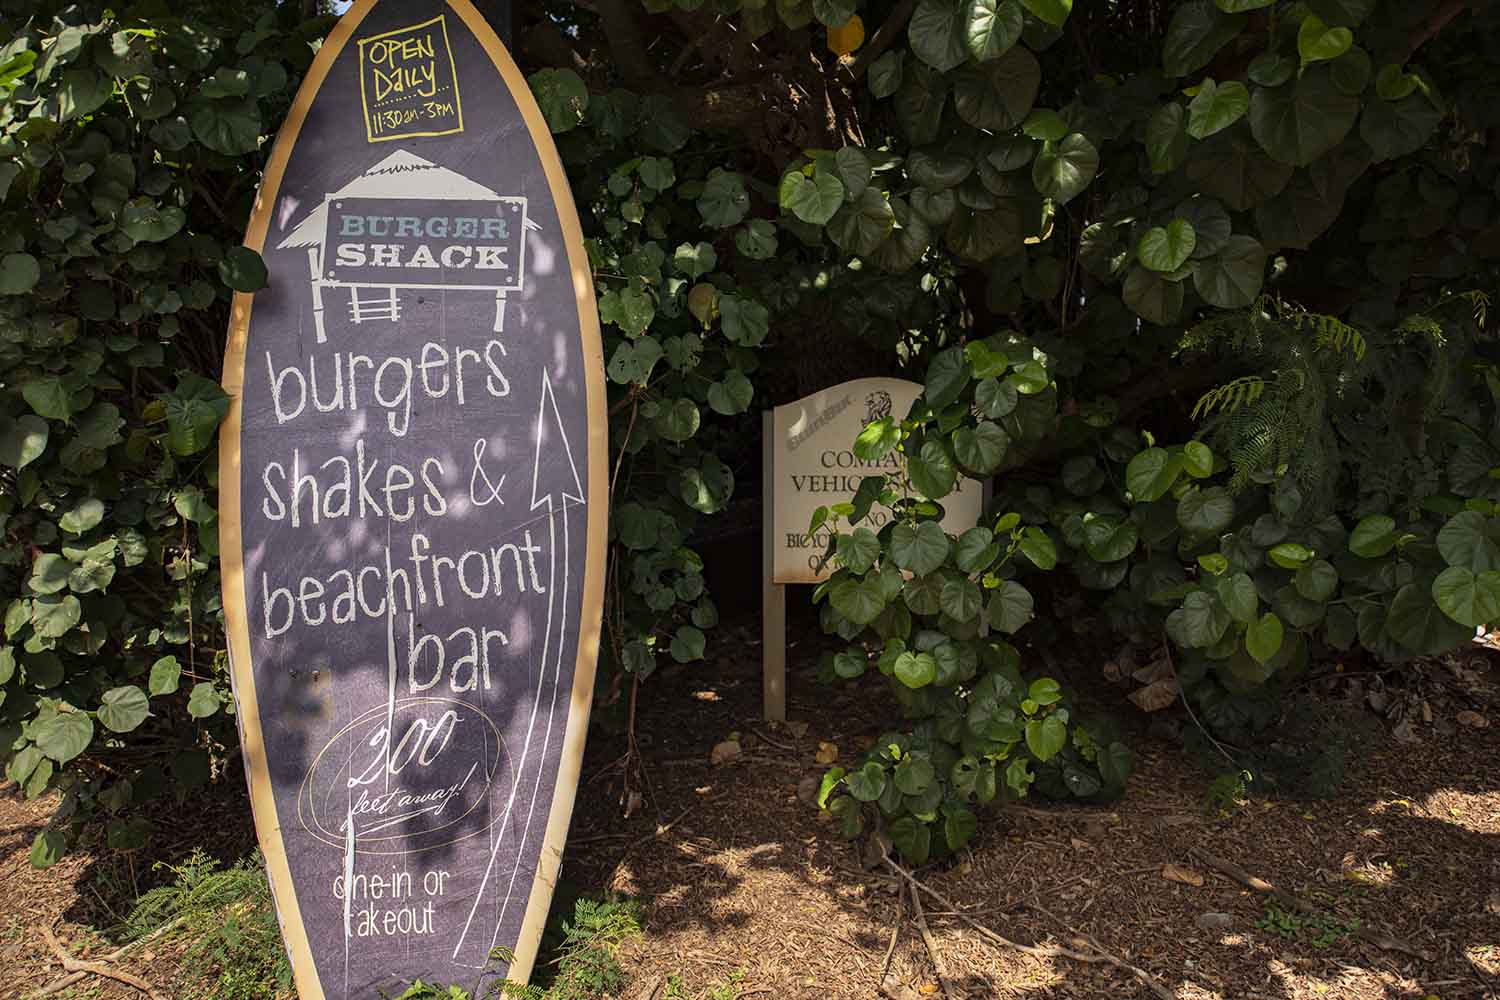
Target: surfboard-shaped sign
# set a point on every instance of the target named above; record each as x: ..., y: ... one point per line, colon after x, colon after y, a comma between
x: 413, y: 494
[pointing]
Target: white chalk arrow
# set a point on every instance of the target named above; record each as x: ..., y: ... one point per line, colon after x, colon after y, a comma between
x: 554, y: 485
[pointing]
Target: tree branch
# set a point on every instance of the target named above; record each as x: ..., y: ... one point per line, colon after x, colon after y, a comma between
x: 627, y: 45
x: 1435, y: 23
x: 731, y: 106
x: 71, y: 964
x: 888, y: 33
x: 58, y: 985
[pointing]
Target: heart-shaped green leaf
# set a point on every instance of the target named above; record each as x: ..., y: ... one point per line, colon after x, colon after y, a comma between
x: 1167, y: 248
x: 1263, y: 637
x: 1062, y: 170
x: 1317, y: 42
x: 1216, y: 106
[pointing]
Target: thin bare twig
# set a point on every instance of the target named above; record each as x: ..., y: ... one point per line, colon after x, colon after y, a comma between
x: 58, y: 985
x: 775, y: 743
x: 1040, y: 951
x: 629, y: 429
x: 1291, y: 901
x: 1167, y: 651
x: 890, y: 949
x: 927, y: 939
x: 661, y: 830
x: 71, y: 964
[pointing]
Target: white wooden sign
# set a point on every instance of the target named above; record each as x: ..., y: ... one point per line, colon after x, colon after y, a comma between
x: 810, y: 463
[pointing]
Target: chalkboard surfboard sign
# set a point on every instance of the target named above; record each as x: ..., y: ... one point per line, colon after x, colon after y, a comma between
x: 413, y: 499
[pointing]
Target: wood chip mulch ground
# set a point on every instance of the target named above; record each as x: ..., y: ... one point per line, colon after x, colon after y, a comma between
x: 746, y: 891
x: 744, y: 883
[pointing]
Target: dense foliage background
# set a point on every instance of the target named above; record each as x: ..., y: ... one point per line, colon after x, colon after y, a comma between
x: 1201, y: 285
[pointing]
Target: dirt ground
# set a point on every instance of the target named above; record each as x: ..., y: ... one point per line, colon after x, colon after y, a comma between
x: 744, y: 884
x: 747, y: 893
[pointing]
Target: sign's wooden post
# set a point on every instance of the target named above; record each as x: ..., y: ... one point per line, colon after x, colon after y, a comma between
x: 809, y: 463
x: 413, y: 481
x: 773, y: 594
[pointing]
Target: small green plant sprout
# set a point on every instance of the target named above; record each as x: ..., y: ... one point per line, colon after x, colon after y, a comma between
x: 427, y: 991
x: 585, y: 966
x: 1228, y: 793
x: 1321, y: 930
x: 587, y: 959
x: 729, y: 989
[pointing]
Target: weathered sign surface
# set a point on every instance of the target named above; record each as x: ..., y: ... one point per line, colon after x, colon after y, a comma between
x: 814, y: 465
x: 809, y: 462
x: 413, y: 508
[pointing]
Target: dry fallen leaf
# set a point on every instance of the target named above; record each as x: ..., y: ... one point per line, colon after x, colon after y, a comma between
x: 1473, y: 719
x: 1177, y: 873
x: 827, y: 753
x: 928, y: 989
x: 1157, y: 670
x: 726, y: 751
x: 1079, y: 845
x: 1155, y: 696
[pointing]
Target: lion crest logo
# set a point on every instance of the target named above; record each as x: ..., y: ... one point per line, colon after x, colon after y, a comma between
x: 877, y: 407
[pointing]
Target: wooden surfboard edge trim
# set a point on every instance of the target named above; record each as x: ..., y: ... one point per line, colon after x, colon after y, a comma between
x: 570, y: 764
x: 268, y: 827
x: 231, y: 554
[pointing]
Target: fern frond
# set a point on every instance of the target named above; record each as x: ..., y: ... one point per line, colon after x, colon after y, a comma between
x: 1230, y: 396
x: 1423, y: 325
x: 1480, y: 303
x: 1328, y: 331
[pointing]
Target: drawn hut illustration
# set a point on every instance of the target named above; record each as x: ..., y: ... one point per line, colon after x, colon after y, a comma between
x: 379, y: 234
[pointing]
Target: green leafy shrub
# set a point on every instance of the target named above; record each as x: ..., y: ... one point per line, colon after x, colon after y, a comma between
x: 667, y: 231
x: 927, y: 609
x: 1252, y: 563
x: 1232, y: 562
x: 1284, y: 212
x: 128, y: 156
